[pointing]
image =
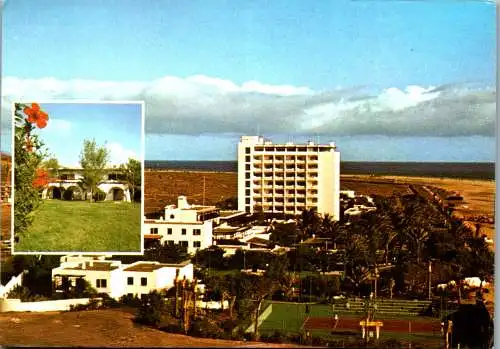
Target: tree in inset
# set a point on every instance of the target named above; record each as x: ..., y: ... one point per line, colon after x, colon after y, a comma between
x: 93, y: 160
x: 133, y: 175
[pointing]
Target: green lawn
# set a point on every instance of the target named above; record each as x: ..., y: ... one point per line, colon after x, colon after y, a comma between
x: 80, y: 226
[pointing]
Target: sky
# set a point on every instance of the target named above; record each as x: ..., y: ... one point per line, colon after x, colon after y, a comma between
x: 386, y: 80
x: 117, y: 127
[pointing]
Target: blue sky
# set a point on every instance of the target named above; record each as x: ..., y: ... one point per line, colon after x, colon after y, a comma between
x: 418, y: 75
x: 118, y: 127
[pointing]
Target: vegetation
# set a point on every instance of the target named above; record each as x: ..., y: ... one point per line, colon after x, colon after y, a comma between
x: 28, y: 155
x: 93, y: 160
x: 109, y: 227
x: 133, y: 175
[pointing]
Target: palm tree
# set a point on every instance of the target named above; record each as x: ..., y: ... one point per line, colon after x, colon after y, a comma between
x: 309, y: 222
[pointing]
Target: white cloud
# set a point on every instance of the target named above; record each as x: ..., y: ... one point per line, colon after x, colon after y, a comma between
x: 118, y: 154
x: 201, y: 104
x: 62, y: 127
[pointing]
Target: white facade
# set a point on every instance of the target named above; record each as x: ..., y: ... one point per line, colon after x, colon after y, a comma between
x: 288, y: 178
x: 116, y: 279
x: 184, y: 224
x: 69, y: 178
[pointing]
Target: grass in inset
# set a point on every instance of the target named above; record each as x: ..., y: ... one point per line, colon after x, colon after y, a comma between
x: 81, y: 226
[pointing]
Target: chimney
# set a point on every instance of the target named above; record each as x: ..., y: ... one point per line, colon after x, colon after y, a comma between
x: 182, y: 202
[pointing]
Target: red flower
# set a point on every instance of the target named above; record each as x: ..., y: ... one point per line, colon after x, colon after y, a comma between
x: 36, y: 115
x: 41, y: 178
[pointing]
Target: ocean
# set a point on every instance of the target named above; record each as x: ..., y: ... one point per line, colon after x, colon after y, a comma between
x: 476, y: 170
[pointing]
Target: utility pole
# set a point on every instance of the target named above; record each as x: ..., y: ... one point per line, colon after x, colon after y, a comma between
x: 430, y: 279
x: 203, y: 190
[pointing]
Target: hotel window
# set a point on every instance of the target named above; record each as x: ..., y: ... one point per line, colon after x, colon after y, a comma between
x: 153, y: 231
x: 196, y: 244
x: 247, y: 192
x: 248, y: 184
x: 247, y: 175
x: 247, y: 167
x: 184, y: 230
x: 169, y: 231
x: 170, y: 242
x: 144, y: 281
x: 130, y: 280
x: 247, y: 201
x: 196, y: 231
x: 247, y: 158
x: 183, y: 243
x: 101, y: 283
x: 247, y: 150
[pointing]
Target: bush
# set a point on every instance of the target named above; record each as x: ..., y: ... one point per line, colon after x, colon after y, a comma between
x: 93, y: 304
x: 151, y: 310
x: 206, y: 328
x: 99, y: 195
x: 131, y: 301
x: 275, y: 337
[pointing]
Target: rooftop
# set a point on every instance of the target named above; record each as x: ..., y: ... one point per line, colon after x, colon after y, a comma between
x: 151, y: 266
x: 96, y: 266
x: 144, y: 267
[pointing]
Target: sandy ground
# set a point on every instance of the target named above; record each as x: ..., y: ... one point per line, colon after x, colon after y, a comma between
x: 101, y: 328
x: 479, y: 195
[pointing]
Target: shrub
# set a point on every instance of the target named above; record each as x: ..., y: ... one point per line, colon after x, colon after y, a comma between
x: 206, y: 328
x: 151, y: 310
x: 130, y: 300
x: 99, y: 195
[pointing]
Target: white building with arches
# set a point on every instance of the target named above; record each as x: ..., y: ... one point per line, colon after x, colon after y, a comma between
x: 67, y: 185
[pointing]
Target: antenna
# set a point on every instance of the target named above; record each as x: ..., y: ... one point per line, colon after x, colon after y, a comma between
x: 203, y: 191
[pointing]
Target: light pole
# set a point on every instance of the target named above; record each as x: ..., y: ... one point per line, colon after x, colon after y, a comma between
x: 430, y: 279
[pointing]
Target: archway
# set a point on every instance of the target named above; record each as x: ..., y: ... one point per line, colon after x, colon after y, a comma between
x: 73, y: 193
x: 54, y: 193
x: 116, y: 194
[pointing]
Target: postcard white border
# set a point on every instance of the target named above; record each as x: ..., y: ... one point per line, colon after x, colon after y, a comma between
x: 78, y: 101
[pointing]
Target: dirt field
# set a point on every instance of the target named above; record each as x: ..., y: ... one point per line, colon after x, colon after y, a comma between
x: 479, y: 195
x: 102, y: 328
x: 163, y: 187
x: 401, y: 326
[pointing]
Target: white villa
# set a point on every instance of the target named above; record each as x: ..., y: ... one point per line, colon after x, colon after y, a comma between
x: 184, y: 224
x: 67, y: 185
x: 117, y: 279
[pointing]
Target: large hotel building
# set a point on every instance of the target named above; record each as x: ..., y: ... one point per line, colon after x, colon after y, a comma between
x: 288, y: 178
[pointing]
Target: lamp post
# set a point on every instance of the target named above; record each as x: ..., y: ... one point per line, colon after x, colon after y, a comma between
x: 430, y: 279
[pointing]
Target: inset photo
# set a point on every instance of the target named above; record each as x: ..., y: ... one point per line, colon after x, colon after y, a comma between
x: 77, y: 170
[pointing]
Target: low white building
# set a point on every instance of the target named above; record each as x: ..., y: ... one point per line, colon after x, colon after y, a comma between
x: 184, y: 224
x: 117, y: 279
x: 67, y: 185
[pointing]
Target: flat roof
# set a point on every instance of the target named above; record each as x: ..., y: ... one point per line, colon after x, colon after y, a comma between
x: 229, y: 214
x: 96, y: 266
x: 228, y: 230
x: 150, y: 266
x: 144, y: 267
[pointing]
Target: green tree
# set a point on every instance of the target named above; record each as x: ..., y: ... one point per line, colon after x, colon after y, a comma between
x: 152, y: 309
x: 28, y: 155
x: 52, y: 165
x: 133, y: 175
x: 93, y: 160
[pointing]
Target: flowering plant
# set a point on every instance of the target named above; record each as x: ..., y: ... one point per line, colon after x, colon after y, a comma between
x: 28, y: 156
